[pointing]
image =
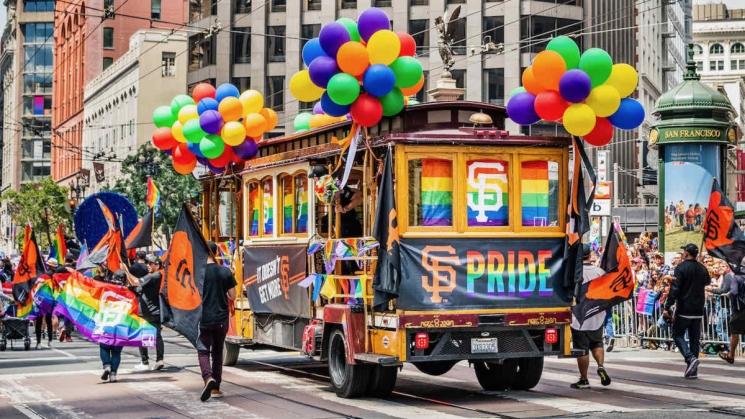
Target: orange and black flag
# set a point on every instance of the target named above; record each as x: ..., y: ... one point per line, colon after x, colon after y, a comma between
x: 107, y: 215
x: 723, y: 238
x: 578, y: 220
x: 30, y: 266
x: 142, y: 234
x: 387, y: 279
x: 109, y: 251
x: 181, y: 291
x: 611, y: 289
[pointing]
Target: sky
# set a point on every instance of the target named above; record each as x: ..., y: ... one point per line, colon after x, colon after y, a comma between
x: 3, y: 11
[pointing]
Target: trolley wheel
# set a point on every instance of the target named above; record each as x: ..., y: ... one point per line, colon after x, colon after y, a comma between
x: 230, y: 354
x: 528, y: 373
x: 26, y: 346
x: 347, y: 380
x: 382, y: 381
x: 495, y: 377
x: 435, y: 367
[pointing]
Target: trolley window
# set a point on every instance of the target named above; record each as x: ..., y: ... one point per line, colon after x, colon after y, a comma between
x: 430, y: 192
x: 294, y: 203
x: 539, y: 185
x: 254, y: 208
x: 487, y: 193
x: 267, y: 205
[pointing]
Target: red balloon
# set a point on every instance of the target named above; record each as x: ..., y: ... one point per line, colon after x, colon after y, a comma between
x: 182, y: 155
x: 408, y: 44
x: 549, y: 105
x: 602, y: 134
x: 223, y: 159
x: 366, y: 110
x: 203, y: 90
x: 163, y: 139
x: 237, y: 160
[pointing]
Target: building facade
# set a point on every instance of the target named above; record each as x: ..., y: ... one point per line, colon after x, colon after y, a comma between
x: 119, y: 103
x: 8, y: 162
x: 85, y: 45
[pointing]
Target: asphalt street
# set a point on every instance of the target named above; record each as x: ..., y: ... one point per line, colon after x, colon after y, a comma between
x: 63, y: 382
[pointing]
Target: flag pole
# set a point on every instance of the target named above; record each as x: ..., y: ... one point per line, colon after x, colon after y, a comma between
x: 703, y: 235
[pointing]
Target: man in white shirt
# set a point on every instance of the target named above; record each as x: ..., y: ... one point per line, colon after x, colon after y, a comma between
x: 589, y: 335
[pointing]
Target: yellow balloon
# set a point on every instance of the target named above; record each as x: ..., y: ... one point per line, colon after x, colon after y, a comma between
x: 187, y: 112
x: 604, y: 100
x: 579, y: 119
x: 233, y: 133
x: 252, y: 102
x: 303, y: 88
x: 317, y: 120
x: 177, y: 129
x: 624, y: 78
x: 383, y: 47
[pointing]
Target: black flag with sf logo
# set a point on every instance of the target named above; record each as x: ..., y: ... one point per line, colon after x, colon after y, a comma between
x: 183, y: 280
x: 387, y: 279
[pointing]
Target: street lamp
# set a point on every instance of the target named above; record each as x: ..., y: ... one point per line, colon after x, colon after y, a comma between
x: 77, y: 188
x: 149, y: 160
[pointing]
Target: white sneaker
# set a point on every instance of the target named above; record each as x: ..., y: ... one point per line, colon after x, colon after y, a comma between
x: 159, y: 365
x: 49, y: 344
x: 112, y: 377
x: 106, y: 373
x: 142, y: 367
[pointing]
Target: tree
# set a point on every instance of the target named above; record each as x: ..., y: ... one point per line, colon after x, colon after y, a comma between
x: 174, y: 187
x: 45, y: 205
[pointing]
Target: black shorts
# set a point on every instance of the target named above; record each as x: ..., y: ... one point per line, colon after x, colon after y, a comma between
x: 737, y: 323
x: 587, y: 340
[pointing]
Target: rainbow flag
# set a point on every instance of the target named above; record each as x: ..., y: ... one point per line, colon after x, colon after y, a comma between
x: 301, y: 200
x: 104, y: 313
x: 153, y: 194
x: 44, y: 295
x: 487, y: 193
x: 224, y: 253
x: 534, y: 180
x: 59, y: 248
x: 253, y: 199
x: 268, y: 208
x: 289, y: 203
x: 27, y: 311
x: 437, y: 192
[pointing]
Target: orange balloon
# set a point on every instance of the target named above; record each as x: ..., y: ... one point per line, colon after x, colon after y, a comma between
x: 255, y: 125
x: 530, y: 84
x: 317, y: 120
x: 184, y: 169
x: 231, y: 109
x: 271, y: 118
x: 548, y: 67
x: 353, y: 58
x: 414, y: 89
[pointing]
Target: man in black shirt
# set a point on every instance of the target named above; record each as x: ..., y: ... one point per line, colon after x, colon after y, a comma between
x: 147, y: 289
x: 687, y: 294
x: 219, y: 286
x: 139, y: 268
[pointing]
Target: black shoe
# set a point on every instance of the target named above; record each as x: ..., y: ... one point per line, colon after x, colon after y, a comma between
x: 210, y: 385
x: 604, y: 377
x: 692, y: 368
x: 611, y: 342
x: 581, y: 384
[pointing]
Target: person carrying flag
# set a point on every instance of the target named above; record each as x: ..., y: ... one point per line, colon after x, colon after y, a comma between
x: 60, y: 277
x: 111, y: 356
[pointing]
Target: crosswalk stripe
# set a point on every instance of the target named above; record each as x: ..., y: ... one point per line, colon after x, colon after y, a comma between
x: 22, y: 396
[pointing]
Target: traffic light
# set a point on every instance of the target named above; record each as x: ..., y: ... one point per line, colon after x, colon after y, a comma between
x: 72, y: 206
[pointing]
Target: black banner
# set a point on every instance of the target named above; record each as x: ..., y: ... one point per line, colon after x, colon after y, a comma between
x: 481, y: 273
x: 271, y: 275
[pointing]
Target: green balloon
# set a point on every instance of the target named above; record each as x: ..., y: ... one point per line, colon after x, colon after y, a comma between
x: 343, y: 89
x: 302, y: 121
x: 518, y: 90
x: 408, y: 71
x: 211, y: 146
x: 393, y: 102
x: 163, y: 117
x: 192, y: 131
x: 597, y: 64
x: 567, y: 48
x: 179, y: 102
x: 354, y: 33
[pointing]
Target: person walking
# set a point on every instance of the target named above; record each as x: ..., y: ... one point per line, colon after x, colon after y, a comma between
x: 589, y: 335
x: 219, y: 286
x: 139, y: 267
x: 111, y: 356
x: 687, y: 294
x: 147, y: 289
x: 736, y: 296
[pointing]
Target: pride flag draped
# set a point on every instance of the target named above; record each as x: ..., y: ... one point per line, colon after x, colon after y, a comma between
x: 437, y: 192
x: 153, y: 194
x: 534, y: 179
x: 104, y: 313
x: 59, y: 248
x: 488, y: 193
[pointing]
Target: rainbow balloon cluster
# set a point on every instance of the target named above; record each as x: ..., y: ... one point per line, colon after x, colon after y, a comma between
x: 359, y: 68
x: 213, y: 126
x: 587, y: 93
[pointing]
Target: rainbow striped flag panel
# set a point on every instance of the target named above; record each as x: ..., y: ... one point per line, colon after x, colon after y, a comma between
x: 59, y: 248
x: 301, y: 201
x: 44, y: 295
x: 487, y: 192
x: 534, y: 182
x: 268, y: 207
x: 104, y: 313
x: 288, y: 203
x: 27, y: 311
x: 153, y: 194
x: 254, y: 203
x: 437, y: 192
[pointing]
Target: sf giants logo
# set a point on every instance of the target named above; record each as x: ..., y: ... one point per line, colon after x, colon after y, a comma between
x: 441, y: 270
x: 483, y: 176
x: 285, y: 278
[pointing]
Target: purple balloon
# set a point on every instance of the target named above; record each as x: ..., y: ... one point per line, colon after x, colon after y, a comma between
x: 214, y: 169
x: 203, y: 161
x: 247, y: 149
x: 332, y: 37
x: 521, y: 110
x: 321, y: 70
x: 211, y: 122
x: 371, y: 21
x: 317, y: 109
x: 169, y: 151
x: 207, y: 104
x: 575, y: 85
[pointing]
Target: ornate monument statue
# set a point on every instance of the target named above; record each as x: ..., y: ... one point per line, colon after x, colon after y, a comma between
x: 446, y: 28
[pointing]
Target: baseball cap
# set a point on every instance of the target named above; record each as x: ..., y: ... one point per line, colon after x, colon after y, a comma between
x: 586, y: 251
x: 691, y: 248
x: 153, y: 259
x: 120, y: 274
x: 52, y: 262
x: 318, y: 171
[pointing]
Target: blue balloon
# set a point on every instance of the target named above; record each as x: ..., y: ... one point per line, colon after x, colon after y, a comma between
x: 226, y: 90
x: 331, y: 107
x: 521, y: 110
x: 312, y: 50
x: 332, y: 37
x: 194, y: 148
x: 207, y: 104
x: 378, y: 80
x: 575, y: 85
x: 629, y: 115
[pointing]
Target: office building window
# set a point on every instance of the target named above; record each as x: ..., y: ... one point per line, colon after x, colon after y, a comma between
x: 275, y: 44
x: 699, y: 66
x: 493, y: 28
x: 168, y: 64
x: 418, y: 2
x: 274, y: 93
x: 242, y: 6
x: 314, y: 5
x: 308, y: 32
x: 421, y: 95
x: 242, y: 83
x: 455, y: 1
x: 348, y: 4
x: 279, y: 5
x: 155, y: 9
x: 536, y: 31
x: 419, y: 30
x: 108, y: 3
x: 737, y: 65
x: 108, y: 37
x: 107, y: 61
x: 201, y: 52
x: 738, y: 48
x: 382, y: 3
x: 241, y: 45
x: 697, y: 50
x: 31, y: 6
x: 306, y: 106
x: 716, y: 49
x: 460, y: 78
x: 200, y: 9
x: 493, y: 86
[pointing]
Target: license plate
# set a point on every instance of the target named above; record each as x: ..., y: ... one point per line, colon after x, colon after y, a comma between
x: 483, y: 346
